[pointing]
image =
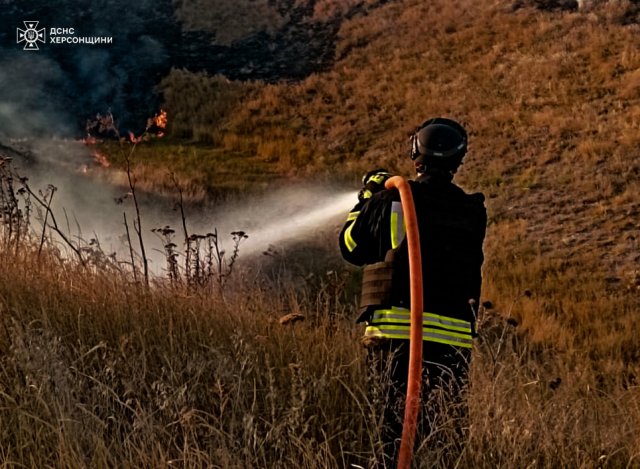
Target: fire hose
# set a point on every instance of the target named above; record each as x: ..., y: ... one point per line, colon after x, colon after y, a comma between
x: 414, y: 379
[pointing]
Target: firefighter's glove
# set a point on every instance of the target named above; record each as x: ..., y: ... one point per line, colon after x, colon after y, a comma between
x: 373, y: 182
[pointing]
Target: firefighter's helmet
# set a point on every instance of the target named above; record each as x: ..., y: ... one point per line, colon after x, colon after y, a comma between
x: 439, y: 143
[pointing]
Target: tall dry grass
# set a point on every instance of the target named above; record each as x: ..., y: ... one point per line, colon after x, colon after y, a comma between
x: 97, y: 371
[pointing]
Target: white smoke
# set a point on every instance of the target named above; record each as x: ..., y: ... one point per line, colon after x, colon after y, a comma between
x: 85, y: 208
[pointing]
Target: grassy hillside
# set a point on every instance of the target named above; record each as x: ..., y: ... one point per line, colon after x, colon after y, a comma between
x: 550, y: 99
x: 98, y: 370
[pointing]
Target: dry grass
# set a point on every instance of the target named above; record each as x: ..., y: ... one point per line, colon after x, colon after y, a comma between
x: 229, y: 21
x: 533, y: 87
x: 98, y: 371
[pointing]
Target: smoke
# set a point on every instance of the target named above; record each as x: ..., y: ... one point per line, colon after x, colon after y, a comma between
x: 69, y: 83
x: 84, y: 203
x: 29, y: 101
x: 53, y: 90
x: 85, y: 208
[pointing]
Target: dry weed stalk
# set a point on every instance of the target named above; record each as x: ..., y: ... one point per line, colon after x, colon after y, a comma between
x: 137, y: 223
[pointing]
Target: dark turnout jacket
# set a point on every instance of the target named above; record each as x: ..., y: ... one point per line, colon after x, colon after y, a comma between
x: 452, y: 227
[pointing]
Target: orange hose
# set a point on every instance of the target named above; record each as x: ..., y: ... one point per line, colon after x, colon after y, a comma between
x: 414, y: 379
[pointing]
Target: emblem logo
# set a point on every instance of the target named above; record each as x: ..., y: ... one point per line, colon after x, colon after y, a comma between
x: 31, y: 36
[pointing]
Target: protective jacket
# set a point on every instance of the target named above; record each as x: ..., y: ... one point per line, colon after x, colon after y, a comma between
x: 452, y: 227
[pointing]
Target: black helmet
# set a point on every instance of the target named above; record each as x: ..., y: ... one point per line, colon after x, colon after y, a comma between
x: 439, y: 143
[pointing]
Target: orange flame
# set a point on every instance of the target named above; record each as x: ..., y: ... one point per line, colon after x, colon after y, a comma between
x: 158, y: 123
x: 156, y: 126
x: 161, y: 119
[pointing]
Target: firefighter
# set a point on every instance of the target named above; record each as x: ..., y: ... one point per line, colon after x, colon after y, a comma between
x: 452, y: 227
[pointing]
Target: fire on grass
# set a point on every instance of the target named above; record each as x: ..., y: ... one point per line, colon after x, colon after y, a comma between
x: 104, y: 127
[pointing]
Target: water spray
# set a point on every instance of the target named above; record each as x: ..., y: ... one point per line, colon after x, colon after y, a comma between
x: 303, y: 221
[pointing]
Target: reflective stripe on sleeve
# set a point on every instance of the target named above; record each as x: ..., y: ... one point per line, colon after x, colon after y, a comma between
x: 348, y: 239
x: 352, y: 216
x: 397, y: 224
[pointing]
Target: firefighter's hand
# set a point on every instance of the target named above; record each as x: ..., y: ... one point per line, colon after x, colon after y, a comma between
x: 373, y: 182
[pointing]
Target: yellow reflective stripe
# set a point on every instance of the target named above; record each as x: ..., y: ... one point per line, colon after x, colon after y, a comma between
x: 428, y: 322
x: 454, y: 342
x: 429, y: 319
x: 394, y: 234
x: 352, y: 216
x: 397, y: 224
x: 429, y: 335
x: 378, y: 178
x: 451, y: 331
x: 379, y: 316
x: 425, y: 330
x: 456, y: 335
x: 374, y: 332
x: 348, y: 240
x: 447, y: 319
